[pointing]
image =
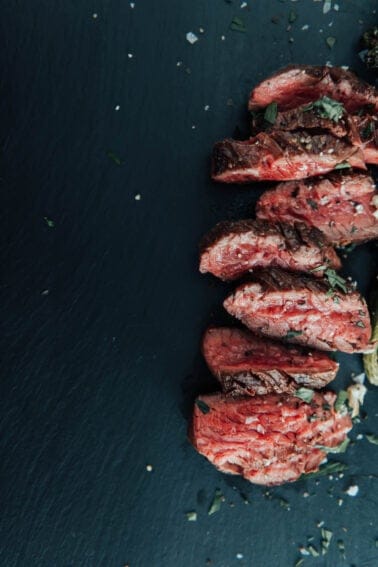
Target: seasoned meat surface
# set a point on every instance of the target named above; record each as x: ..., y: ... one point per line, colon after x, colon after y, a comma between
x: 303, y: 310
x: 281, y: 156
x: 343, y: 206
x: 300, y: 84
x: 233, y: 248
x: 269, y: 439
x: 246, y: 364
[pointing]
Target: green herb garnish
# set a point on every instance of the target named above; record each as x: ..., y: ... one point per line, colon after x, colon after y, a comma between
x: 372, y: 438
x: 216, y: 503
x: 360, y: 324
x: 326, y: 540
x: 292, y: 16
x: 202, y: 406
x: 329, y: 468
x: 299, y: 563
x: 330, y: 41
x: 341, y: 448
x: 237, y: 24
x: 292, y: 333
x: 334, y: 280
x: 270, y: 113
x: 342, y: 397
x: 305, y: 394
x: 343, y: 165
x: 327, y: 108
x: 50, y: 223
x: 314, y: 552
x: 114, y: 157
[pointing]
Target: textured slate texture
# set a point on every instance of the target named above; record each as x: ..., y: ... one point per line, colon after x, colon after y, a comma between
x: 102, y: 314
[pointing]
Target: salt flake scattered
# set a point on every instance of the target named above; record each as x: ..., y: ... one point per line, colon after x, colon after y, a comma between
x: 132, y: 5
x: 223, y: 37
x: 206, y: 107
x: 117, y: 108
x: 138, y: 197
x: 239, y: 556
x: 95, y: 16
x: 191, y: 37
x: 243, y: 5
x: 336, y: 7
x: 149, y: 468
x: 130, y: 55
x: 352, y: 490
x: 305, y: 27
x: 327, y: 6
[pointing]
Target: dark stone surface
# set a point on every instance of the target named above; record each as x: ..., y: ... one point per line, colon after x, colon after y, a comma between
x: 99, y: 374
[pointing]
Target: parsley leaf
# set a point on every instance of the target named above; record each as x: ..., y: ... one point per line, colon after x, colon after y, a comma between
x: 50, y: 223
x: 216, y: 503
x: 270, y: 114
x: 202, y: 406
x: 342, y: 397
x: 329, y: 468
x: 327, y: 108
x: 341, y: 448
x: 343, y: 165
x: 305, y: 394
x: 334, y: 280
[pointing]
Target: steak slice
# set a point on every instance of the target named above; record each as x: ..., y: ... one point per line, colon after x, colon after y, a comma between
x: 367, y: 128
x: 299, y: 84
x: 246, y: 364
x: 281, y: 156
x: 344, y: 206
x: 302, y: 310
x: 269, y: 439
x: 233, y: 248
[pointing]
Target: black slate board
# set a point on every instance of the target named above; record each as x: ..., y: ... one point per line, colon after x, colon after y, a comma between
x: 102, y: 313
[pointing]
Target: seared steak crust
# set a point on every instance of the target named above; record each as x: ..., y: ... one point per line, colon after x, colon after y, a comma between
x: 299, y: 84
x: 246, y: 364
x: 303, y: 310
x: 343, y: 206
x: 281, y: 156
x: 233, y: 248
x: 269, y: 440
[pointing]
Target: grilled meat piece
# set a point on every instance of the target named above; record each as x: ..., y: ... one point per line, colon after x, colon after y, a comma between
x: 344, y: 206
x: 246, y: 364
x: 281, y: 156
x: 302, y: 310
x: 269, y: 439
x: 233, y: 248
x: 300, y: 84
x: 366, y: 125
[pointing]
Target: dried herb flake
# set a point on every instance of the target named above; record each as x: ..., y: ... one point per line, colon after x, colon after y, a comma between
x: 50, y: 223
x: 329, y: 468
x: 292, y: 333
x: 330, y: 41
x: 202, y: 406
x: 270, y: 114
x: 237, y: 24
x: 216, y: 503
x: 111, y: 155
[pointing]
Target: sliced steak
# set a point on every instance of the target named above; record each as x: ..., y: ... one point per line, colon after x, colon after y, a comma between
x: 233, y: 248
x: 302, y: 310
x: 269, y: 439
x: 281, y: 156
x: 344, y: 206
x: 246, y: 364
x: 299, y: 84
x: 367, y: 128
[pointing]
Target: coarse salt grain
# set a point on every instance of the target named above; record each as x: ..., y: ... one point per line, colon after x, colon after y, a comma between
x: 305, y: 27
x: 223, y: 37
x: 352, y: 490
x: 149, y: 468
x: 191, y: 37
x: 206, y: 107
x: 243, y: 5
x: 95, y: 16
x: 138, y: 197
x: 117, y: 107
x: 130, y: 55
x: 132, y: 5
x: 239, y: 556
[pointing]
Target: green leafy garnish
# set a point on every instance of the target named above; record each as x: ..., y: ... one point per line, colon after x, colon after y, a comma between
x: 292, y: 333
x: 343, y: 165
x: 216, y: 503
x: 50, y: 223
x: 191, y: 516
x: 341, y: 448
x: 270, y: 113
x: 327, y: 108
x: 360, y: 324
x: 330, y: 41
x: 342, y: 397
x: 334, y: 280
x: 202, y: 406
x: 114, y: 157
x: 237, y: 24
x: 305, y: 394
x: 326, y: 540
x: 292, y: 16
x: 372, y: 439
x: 329, y: 468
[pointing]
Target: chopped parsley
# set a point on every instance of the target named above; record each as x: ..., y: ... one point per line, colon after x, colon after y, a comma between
x: 342, y: 397
x: 326, y: 107
x: 292, y: 333
x: 330, y: 41
x: 237, y: 24
x: 270, y: 113
x: 202, y: 406
x: 305, y: 394
x: 343, y: 165
x: 334, y: 280
x: 111, y: 155
x: 326, y: 540
x: 50, y: 223
x: 216, y: 503
x: 341, y: 448
x: 329, y: 468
